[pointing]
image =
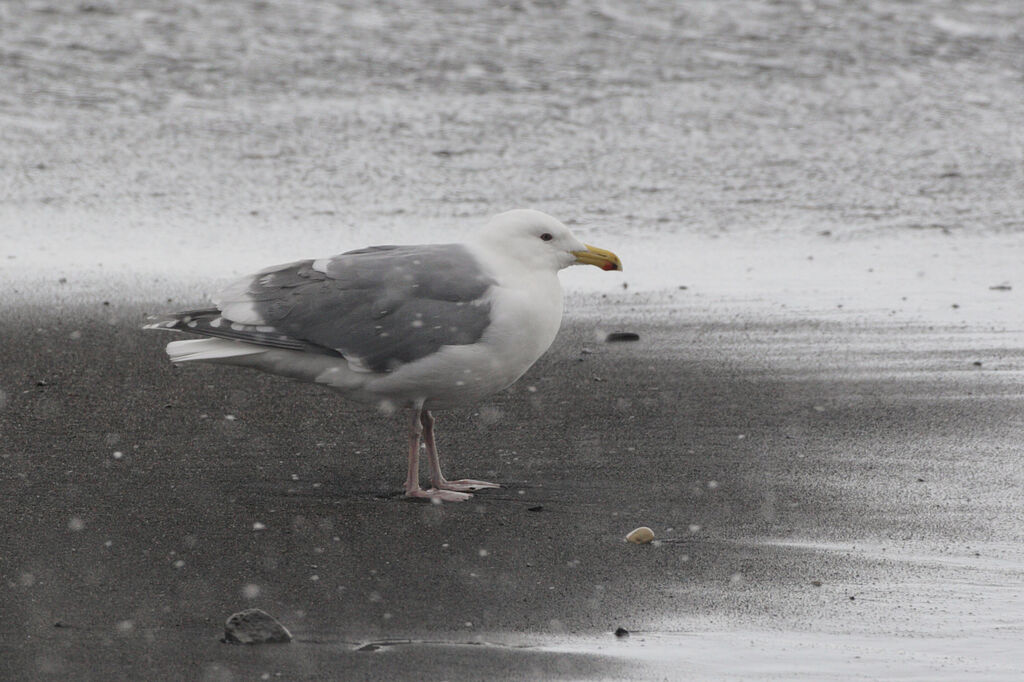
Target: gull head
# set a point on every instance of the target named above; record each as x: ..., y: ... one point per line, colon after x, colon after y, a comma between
x: 535, y: 239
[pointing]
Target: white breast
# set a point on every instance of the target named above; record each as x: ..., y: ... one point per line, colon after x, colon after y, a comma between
x: 526, y: 313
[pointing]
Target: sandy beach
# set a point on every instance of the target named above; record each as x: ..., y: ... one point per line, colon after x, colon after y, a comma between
x: 831, y: 515
x: 818, y: 206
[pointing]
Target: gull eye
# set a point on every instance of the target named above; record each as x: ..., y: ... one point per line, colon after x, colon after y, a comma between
x: 546, y: 236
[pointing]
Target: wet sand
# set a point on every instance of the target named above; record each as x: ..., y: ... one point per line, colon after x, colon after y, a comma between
x: 832, y: 500
x: 823, y: 428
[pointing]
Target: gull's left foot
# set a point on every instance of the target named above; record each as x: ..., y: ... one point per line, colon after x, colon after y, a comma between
x: 464, y: 485
x: 433, y: 494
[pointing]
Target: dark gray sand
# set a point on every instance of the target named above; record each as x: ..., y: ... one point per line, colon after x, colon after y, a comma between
x: 833, y: 500
x: 834, y: 480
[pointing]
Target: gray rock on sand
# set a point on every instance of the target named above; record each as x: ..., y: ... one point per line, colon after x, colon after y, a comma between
x: 254, y: 626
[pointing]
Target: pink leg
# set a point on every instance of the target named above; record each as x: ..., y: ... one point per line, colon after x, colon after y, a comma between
x: 437, y: 479
x: 412, y: 479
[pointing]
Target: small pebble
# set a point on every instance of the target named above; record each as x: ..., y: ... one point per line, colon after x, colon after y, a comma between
x: 640, y: 536
x: 621, y: 632
x: 622, y: 336
x: 536, y: 508
x: 254, y: 626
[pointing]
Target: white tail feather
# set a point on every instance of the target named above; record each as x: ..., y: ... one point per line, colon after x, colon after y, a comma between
x: 197, y: 350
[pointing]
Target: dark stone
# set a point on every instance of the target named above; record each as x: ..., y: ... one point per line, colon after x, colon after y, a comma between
x: 622, y: 336
x: 621, y: 632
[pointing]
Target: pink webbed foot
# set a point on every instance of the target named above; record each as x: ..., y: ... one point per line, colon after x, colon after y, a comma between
x: 464, y: 484
x: 443, y: 490
x: 440, y: 495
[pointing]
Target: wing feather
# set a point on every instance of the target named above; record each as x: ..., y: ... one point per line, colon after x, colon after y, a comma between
x: 380, y: 307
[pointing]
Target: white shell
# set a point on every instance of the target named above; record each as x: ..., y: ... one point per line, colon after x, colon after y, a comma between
x: 640, y: 536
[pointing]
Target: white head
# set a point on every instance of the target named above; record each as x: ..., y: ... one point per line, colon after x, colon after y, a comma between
x: 536, y: 239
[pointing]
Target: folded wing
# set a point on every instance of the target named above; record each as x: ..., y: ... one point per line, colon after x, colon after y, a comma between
x: 379, y: 307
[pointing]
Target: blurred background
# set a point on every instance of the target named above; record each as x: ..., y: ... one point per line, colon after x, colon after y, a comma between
x: 175, y: 142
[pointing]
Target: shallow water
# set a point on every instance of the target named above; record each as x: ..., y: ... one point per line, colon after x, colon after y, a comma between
x: 200, y: 138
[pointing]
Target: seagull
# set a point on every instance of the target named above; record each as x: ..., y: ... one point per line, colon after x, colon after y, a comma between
x: 425, y: 327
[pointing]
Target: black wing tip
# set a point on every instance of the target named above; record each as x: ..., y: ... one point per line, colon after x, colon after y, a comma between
x: 209, y: 322
x: 180, y: 321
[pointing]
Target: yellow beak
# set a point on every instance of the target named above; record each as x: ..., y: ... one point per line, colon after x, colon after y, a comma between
x: 606, y: 260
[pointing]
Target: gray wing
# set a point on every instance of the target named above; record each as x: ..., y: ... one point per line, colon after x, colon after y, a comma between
x: 379, y: 307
